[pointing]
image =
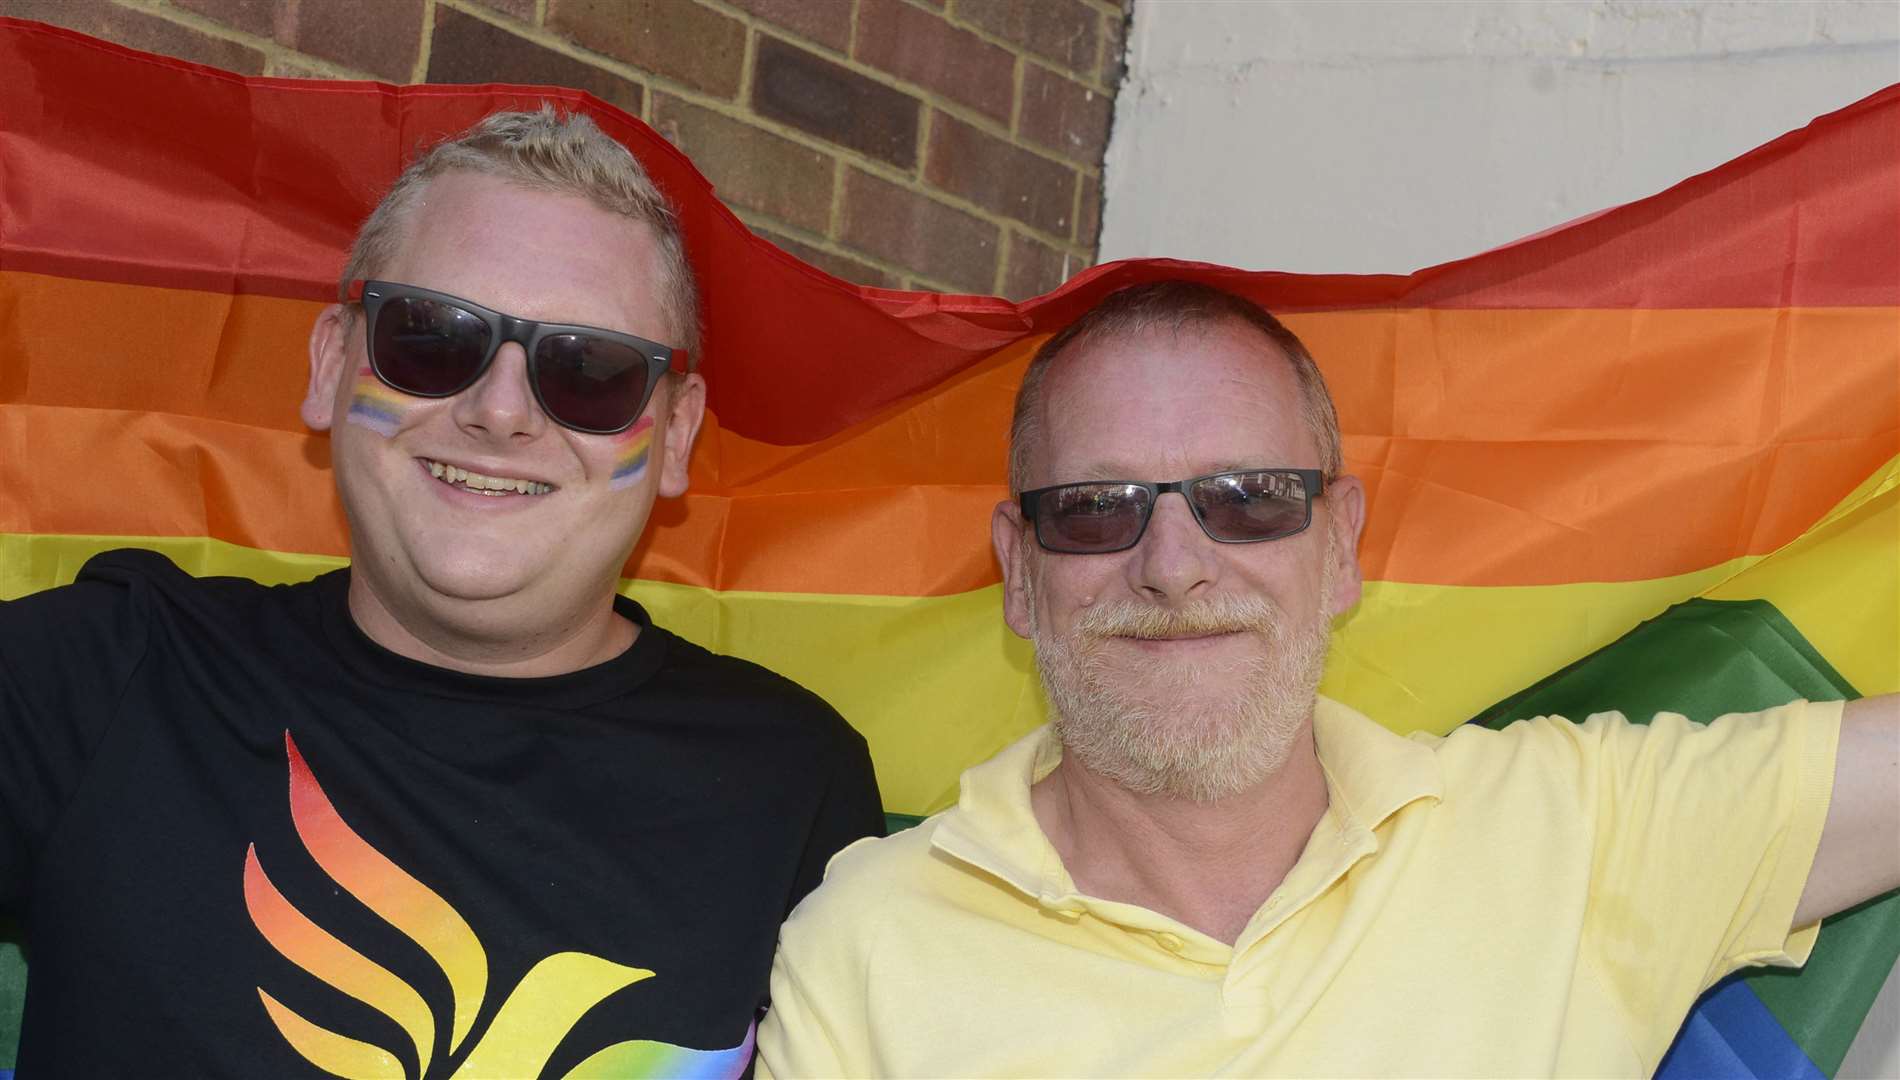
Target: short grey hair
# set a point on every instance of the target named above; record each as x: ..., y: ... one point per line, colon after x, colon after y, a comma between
x: 548, y: 151
x: 1175, y: 305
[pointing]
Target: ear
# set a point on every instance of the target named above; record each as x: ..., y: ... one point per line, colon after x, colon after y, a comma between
x: 1008, y: 532
x: 685, y: 408
x: 329, y: 363
x: 1346, y: 518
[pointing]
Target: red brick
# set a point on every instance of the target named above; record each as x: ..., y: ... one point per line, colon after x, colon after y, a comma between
x: 381, y: 38
x: 1035, y: 268
x: 1088, y: 219
x: 909, y: 229
x: 751, y: 167
x: 919, y: 46
x: 1060, y: 30
x: 465, y: 49
x: 997, y: 176
x: 265, y: 18
x: 834, y: 103
x: 1063, y: 115
x: 840, y: 266
x: 827, y: 22
x: 520, y: 9
x: 676, y: 38
x: 137, y: 30
x: 1114, y: 48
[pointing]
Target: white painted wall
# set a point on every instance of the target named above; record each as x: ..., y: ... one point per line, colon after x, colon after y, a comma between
x: 1382, y: 137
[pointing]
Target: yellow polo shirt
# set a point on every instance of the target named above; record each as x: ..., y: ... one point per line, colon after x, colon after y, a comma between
x: 1544, y: 900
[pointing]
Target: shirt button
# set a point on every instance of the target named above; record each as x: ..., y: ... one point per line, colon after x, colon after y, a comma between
x: 1170, y: 942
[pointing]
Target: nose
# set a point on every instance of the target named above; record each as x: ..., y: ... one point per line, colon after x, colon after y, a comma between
x: 1175, y: 560
x: 500, y: 405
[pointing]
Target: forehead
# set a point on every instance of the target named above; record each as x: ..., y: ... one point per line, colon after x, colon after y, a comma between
x: 531, y: 252
x: 1161, y: 404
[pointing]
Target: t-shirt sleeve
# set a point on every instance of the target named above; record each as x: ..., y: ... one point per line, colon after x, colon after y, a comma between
x: 818, y: 1024
x: 1704, y: 840
x: 797, y: 1038
x: 65, y: 658
x: 849, y: 811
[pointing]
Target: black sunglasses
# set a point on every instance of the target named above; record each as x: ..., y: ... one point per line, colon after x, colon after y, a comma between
x: 434, y: 345
x: 1243, y: 507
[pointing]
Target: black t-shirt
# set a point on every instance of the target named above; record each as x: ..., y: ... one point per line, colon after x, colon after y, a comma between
x: 248, y: 841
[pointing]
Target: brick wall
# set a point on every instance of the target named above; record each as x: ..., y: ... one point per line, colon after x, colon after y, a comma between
x: 953, y: 145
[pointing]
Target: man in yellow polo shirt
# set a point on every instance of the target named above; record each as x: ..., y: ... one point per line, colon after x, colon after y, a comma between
x: 1202, y: 868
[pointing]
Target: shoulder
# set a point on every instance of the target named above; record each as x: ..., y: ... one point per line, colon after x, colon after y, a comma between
x: 106, y: 599
x: 126, y: 599
x: 870, y: 882
x: 717, y: 681
x: 1553, y: 749
x: 138, y: 576
x: 69, y: 652
x: 1531, y: 741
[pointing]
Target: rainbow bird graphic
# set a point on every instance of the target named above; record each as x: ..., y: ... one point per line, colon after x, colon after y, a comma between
x: 525, y: 1030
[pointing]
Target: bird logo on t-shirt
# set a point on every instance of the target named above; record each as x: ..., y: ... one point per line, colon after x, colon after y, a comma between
x: 524, y: 1031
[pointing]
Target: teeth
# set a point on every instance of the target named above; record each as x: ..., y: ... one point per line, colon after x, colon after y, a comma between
x: 486, y: 485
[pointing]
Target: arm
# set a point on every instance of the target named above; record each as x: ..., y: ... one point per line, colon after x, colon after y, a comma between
x: 795, y: 1038
x: 1859, y: 855
x: 66, y: 655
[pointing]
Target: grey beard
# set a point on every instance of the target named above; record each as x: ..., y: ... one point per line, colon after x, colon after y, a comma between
x: 1195, y: 731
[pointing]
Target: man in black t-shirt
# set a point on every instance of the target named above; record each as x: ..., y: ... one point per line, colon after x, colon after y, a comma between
x: 458, y: 809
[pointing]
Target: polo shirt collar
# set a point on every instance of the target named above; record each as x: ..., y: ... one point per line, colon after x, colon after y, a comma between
x: 1370, y: 774
x: 994, y: 827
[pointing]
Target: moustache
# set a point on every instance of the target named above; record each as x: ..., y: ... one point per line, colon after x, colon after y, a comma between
x: 1216, y: 615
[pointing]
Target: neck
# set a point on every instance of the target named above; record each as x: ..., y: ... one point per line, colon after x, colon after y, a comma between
x: 493, y: 637
x: 1210, y: 865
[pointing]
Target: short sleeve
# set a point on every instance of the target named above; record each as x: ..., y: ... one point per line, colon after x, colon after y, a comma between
x: 1703, y: 842
x: 66, y: 656
x: 795, y: 1038
x: 850, y: 810
x: 817, y: 1024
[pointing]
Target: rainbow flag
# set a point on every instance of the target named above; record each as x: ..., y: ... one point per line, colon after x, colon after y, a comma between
x: 1690, y: 399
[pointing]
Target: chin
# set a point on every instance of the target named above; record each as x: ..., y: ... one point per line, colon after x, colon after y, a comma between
x: 474, y: 578
x: 1198, y: 730
x: 1196, y: 741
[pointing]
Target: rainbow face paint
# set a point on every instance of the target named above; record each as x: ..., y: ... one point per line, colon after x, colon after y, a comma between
x: 630, y: 459
x: 375, y: 406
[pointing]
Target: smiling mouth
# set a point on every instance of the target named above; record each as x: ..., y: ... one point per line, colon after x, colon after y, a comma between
x: 483, y: 484
x: 1189, y: 639
x: 1207, y: 636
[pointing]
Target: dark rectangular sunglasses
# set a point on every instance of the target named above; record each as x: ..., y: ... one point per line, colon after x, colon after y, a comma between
x: 434, y: 345
x: 1242, y: 507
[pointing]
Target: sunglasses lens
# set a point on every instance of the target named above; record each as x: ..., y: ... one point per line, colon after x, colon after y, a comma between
x: 427, y: 347
x: 1086, y: 519
x: 1247, y: 506
x: 590, y: 383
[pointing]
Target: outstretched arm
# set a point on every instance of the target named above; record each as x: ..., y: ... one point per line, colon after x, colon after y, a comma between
x: 1859, y: 856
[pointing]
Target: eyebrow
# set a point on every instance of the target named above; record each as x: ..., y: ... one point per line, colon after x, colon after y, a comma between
x: 1097, y: 472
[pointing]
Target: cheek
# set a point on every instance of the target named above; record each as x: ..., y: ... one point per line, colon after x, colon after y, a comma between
x: 375, y: 406
x: 632, y: 447
x: 1068, y: 586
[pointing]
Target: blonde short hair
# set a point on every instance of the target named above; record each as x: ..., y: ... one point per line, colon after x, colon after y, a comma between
x: 541, y: 150
x: 1175, y: 305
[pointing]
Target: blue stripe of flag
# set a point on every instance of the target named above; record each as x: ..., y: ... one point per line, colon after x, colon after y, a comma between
x: 1731, y: 1034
